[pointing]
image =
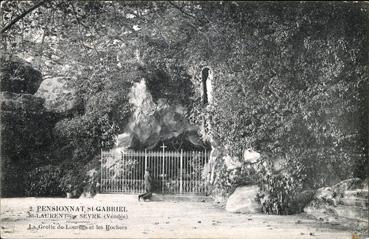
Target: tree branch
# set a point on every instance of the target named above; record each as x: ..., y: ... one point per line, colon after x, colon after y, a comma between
x: 181, y: 10
x: 15, y: 20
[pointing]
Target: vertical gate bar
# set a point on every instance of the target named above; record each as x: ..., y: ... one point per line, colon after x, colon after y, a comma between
x: 114, y: 175
x: 131, y: 173
x: 134, y: 174
x: 162, y: 184
x: 170, y: 172
x: 105, y: 174
x: 186, y: 172
x: 143, y: 168
x: 125, y: 156
x: 124, y: 171
x: 138, y: 172
x: 205, y: 176
x: 181, y: 173
x: 187, y: 161
x: 195, y: 173
x: 155, y: 161
x: 105, y: 178
x: 190, y: 171
x: 109, y: 182
x: 198, y: 169
x: 101, y: 170
x: 194, y: 156
x: 145, y: 159
x: 110, y: 173
x: 120, y: 173
x: 167, y: 166
x: 115, y: 171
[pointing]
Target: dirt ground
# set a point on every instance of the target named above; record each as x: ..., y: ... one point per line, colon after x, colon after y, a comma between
x: 179, y: 219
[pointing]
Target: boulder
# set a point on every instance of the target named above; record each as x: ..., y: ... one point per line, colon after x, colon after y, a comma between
x: 250, y: 156
x: 243, y: 200
x: 232, y: 162
x: 19, y: 76
x: 345, y: 201
x: 58, y: 95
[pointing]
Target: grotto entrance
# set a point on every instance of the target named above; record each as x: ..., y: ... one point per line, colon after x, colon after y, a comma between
x: 173, y: 171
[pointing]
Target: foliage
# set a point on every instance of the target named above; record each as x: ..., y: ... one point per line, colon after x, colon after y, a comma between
x: 299, y: 93
x: 73, y: 181
x: 229, y: 179
x: 290, y: 79
x: 87, y: 134
x: 44, y: 181
x: 279, y: 188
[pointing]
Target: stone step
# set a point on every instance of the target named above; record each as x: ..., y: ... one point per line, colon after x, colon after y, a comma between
x: 354, y: 201
x: 351, y: 212
x: 359, y: 193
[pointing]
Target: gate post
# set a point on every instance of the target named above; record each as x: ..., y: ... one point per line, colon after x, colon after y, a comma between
x: 162, y: 180
x: 181, y: 174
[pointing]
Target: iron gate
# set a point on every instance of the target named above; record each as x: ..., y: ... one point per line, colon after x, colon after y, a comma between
x: 172, y: 172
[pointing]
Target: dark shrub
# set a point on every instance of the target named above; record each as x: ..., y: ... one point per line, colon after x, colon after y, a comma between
x: 44, y: 181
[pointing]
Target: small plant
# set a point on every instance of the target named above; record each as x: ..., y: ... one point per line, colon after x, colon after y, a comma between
x: 73, y: 183
x: 278, y: 188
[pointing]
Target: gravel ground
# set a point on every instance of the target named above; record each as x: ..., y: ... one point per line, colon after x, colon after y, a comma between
x: 179, y: 219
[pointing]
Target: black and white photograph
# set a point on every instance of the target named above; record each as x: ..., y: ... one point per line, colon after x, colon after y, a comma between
x: 184, y: 119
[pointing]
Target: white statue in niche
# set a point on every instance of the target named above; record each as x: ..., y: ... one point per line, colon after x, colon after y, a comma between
x: 206, y: 78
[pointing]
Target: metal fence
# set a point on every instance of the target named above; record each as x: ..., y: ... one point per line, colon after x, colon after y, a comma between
x: 172, y: 172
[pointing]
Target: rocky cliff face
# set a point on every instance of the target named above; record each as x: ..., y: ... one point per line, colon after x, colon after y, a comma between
x: 154, y: 122
x: 19, y: 76
x: 25, y: 125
